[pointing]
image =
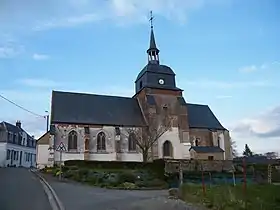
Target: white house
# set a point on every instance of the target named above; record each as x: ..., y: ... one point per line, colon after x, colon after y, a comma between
x: 17, y: 147
x: 43, y: 151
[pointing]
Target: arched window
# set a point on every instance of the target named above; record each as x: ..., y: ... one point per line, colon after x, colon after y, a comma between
x: 72, y: 140
x: 101, y: 141
x: 197, y: 141
x: 167, y: 149
x: 132, y: 142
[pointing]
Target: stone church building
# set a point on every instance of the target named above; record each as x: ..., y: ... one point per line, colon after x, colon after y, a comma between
x: 95, y: 127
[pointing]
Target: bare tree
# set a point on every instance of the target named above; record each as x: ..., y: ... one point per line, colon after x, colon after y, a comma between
x: 233, y: 148
x: 145, y: 137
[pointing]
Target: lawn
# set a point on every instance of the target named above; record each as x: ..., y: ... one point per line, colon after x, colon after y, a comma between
x: 225, y: 197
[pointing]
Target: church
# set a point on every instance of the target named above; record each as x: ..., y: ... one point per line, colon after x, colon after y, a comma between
x: 98, y: 127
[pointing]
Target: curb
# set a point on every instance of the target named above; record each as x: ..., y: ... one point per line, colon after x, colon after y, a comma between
x: 52, y: 196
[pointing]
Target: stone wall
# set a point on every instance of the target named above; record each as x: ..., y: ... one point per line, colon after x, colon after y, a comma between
x: 172, y: 166
x: 204, y: 156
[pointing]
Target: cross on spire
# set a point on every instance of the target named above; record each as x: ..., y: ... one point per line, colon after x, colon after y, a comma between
x: 151, y: 18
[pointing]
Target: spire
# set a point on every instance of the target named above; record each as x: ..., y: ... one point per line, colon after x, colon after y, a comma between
x: 153, y: 51
x: 153, y: 45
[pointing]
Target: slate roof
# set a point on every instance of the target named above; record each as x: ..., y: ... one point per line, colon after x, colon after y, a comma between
x: 201, y: 116
x: 82, y: 108
x: 155, y: 68
x: 153, y: 45
x: 14, y: 129
x: 206, y: 149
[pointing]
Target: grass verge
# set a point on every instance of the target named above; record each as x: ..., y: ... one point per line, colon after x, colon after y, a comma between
x: 225, y: 197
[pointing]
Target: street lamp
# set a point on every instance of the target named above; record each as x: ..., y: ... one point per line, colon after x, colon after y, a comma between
x: 47, y: 117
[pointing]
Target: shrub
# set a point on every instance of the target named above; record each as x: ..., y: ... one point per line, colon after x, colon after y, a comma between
x: 156, y: 167
x: 128, y: 185
x: 157, y: 183
x: 70, y: 173
x: 126, y: 177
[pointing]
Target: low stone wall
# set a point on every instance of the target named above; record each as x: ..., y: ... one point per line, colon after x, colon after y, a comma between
x: 172, y: 166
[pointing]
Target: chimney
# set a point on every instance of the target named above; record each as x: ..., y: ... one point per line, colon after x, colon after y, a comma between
x: 18, y: 124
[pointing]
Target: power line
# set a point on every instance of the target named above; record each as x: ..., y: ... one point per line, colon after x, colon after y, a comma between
x: 21, y: 107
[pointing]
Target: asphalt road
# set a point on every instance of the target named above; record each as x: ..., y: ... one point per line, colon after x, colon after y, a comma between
x: 76, y: 196
x: 21, y: 190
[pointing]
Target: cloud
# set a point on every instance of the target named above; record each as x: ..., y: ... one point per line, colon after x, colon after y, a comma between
x: 10, y: 51
x: 204, y: 83
x: 67, y: 22
x: 265, y: 125
x: 260, y: 132
x: 40, y: 57
x: 39, y: 83
x: 249, y: 69
x: 70, y: 13
x: 36, y: 126
x: 254, y: 68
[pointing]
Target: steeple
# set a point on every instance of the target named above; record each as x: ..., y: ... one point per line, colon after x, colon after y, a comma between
x: 153, y: 51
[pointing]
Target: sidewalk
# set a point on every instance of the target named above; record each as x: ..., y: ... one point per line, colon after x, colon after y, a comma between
x: 78, y: 196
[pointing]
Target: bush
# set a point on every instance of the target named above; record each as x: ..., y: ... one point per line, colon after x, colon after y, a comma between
x: 128, y: 185
x: 126, y: 177
x: 157, y: 183
x: 156, y: 167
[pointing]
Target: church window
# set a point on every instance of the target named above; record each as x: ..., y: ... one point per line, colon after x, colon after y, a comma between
x: 197, y: 141
x: 86, y: 130
x: 118, y: 131
x: 132, y: 142
x: 210, y: 157
x: 101, y: 141
x: 141, y: 84
x: 167, y: 149
x: 72, y: 140
x: 219, y: 141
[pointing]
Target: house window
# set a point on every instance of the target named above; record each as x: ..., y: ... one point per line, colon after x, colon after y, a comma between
x: 118, y: 131
x: 132, y: 142
x: 72, y: 140
x: 167, y: 149
x: 101, y: 142
x: 15, y: 155
x: 19, y: 139
x: 8, y: 154
x: 210, y: 157
x: 10, y: 137
x: 14, y: 138
x: 86, y: 130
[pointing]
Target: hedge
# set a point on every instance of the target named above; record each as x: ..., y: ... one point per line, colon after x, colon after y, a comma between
x: 156, y: 167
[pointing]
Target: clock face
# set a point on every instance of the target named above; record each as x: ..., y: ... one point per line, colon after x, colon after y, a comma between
x: 161, y: 81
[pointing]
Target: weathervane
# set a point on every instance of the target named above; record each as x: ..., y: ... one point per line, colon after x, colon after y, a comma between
x: 151, y: 18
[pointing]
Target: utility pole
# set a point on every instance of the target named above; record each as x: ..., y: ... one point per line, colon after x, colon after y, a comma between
x: 47, y: 117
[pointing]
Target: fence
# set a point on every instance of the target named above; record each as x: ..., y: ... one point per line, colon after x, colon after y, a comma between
x: 221, y: 172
